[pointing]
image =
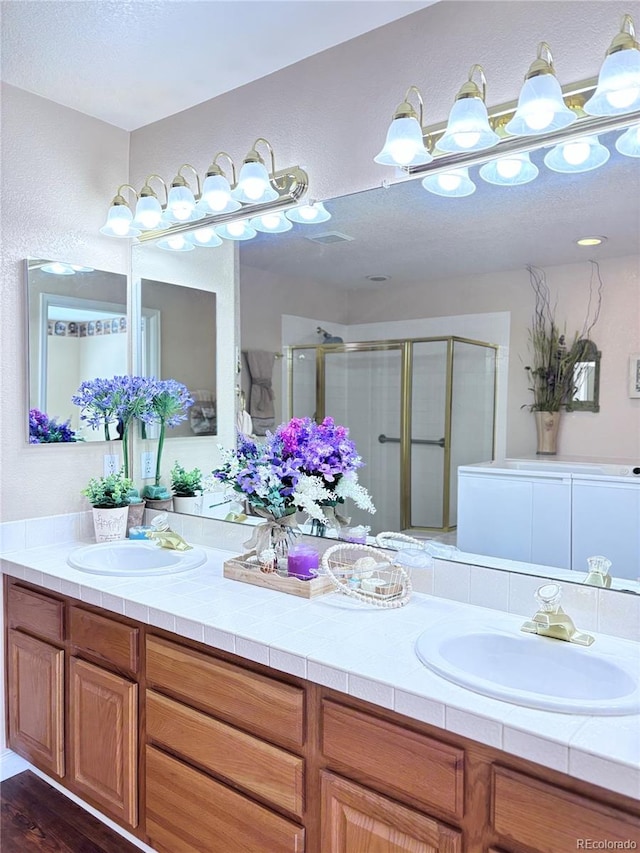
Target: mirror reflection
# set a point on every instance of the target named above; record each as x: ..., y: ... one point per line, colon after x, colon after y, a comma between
x: 399, y: 264
x: 77, y: 330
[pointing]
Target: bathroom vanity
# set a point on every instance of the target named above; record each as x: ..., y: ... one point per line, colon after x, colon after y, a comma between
x: 552, y: 512
x: 205, y: 715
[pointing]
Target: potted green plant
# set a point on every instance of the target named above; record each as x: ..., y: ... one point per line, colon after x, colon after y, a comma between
x: 552, y: 372
x: 109, y: 497
x: 187, y: 489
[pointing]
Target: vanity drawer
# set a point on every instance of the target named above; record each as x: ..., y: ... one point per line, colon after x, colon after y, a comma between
x: 549, y: 818
x: 403, y: 762
x: 104, y: 638
x: 187, y: 812
x: 36, y: 613
x: 258, y: 767
x: 263, y: 705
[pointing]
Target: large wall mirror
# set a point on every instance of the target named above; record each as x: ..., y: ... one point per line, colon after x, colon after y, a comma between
x: 77, y: 330
x: 399, y: 263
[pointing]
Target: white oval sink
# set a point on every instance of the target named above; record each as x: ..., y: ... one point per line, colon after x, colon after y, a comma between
x: 134, y: 557
x: 529, y: 670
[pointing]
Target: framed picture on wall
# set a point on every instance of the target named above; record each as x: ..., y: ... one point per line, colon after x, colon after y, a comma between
x: 634, y: 375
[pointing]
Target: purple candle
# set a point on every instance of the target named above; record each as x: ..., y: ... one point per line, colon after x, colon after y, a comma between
x: 303, y: 561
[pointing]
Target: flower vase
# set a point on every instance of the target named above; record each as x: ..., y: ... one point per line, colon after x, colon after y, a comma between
x: 547, y: 424
x: 275, y: 536
x: 110, y: 523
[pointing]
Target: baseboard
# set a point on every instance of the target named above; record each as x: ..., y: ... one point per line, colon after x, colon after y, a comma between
x: 11, y: 764
x: 102, y: 818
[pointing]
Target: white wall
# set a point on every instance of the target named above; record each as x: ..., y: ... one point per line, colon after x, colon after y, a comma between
x: 60, y: 170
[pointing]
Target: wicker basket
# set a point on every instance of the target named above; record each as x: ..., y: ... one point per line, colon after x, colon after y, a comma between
x: 367, y: 575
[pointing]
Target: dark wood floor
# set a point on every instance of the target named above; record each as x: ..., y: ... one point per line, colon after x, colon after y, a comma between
x: 37, y: 818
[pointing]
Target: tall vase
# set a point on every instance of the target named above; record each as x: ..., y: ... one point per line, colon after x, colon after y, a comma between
x: 547, y: 424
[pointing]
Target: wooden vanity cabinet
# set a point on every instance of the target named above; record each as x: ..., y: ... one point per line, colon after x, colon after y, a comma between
x: 237, y: 758
x: 53, y: 690
x: 36, y: 702
x: 224, y: 773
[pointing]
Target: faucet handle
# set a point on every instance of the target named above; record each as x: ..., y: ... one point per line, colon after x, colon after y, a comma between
x: 548, y: 597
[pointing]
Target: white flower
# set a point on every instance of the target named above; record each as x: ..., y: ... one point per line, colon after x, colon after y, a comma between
x: 309, y: 491
x: 349, y: 487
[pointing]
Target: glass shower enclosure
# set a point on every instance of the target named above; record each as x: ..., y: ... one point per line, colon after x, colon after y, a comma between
x: 416, y: 409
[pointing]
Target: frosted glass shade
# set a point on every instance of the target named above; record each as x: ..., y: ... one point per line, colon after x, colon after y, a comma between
x: 119, y: 222
x: 271, y: 223
x: 468, y: 128
x: 628, y: 143
x: 455, y: 184
x: 175, y: 243
x: 308, y: 214
x: 216, y: 196
x: 618, y: 89
x: 206, y: 238
x: 541, y: 108
x: 404, y: 145
x: 253, y: 185
x: 577, y: 155
x: 510, y: 170
x: 239, y: 230
x: 148, y: 213
x: 181, y: 206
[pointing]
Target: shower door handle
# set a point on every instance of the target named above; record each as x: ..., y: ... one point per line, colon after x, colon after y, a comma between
x: 384, y: 439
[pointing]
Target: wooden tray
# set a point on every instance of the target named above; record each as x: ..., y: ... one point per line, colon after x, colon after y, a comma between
x: 243, y: 570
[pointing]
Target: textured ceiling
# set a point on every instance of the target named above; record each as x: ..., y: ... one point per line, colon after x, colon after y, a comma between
x: 414, y: 236
x: 133, y: 62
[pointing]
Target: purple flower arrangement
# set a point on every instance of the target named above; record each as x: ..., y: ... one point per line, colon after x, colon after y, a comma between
x: 124, y: 399
x: 46, y: 430
x: 302, y: 466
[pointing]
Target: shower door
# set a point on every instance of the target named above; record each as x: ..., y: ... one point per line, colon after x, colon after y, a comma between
x: 361, y: 387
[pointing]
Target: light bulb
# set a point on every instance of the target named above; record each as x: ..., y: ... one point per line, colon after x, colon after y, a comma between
x: 540, y: 117
x: 235, y: 228
x: 120, y: 226
x: 270, y: 220
x: 176, y: 242
x: 403, y: 151
x: 449, y: 182
x: 308, y: 212
x: 576, y: 153
x: 148, y: 212
x: 217, y: 200
x: 622, y: 98
x: 203, y: 235
x: 508, y: 168
x: 466, y: 139
x: 181, y: 210
x: 253, y: 188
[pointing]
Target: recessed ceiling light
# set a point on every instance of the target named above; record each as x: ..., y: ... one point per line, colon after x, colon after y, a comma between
x: 378, y: 277
x: 591, y: 241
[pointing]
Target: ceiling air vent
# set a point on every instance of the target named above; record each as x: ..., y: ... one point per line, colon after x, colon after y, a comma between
x: 330, y: 237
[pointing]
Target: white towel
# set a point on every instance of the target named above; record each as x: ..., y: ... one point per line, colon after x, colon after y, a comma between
x: 244, y: 424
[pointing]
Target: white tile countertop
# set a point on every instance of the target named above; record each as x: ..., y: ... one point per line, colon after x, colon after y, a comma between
x: 361, y: 651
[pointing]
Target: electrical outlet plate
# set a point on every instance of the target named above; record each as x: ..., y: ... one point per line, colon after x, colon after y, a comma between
x: 111, y: 463
x: 147, y: 465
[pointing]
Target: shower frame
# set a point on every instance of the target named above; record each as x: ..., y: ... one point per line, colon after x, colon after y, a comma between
x: 405, y: 347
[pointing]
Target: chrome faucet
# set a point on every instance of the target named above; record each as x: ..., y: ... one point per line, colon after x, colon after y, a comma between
x: 552, y: 621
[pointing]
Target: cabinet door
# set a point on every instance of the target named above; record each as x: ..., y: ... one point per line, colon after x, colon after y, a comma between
x: 103, y: 739
x: 356, y: 820
x: 188, y: 812
x: 606, y: 520
x: 36, y: 702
